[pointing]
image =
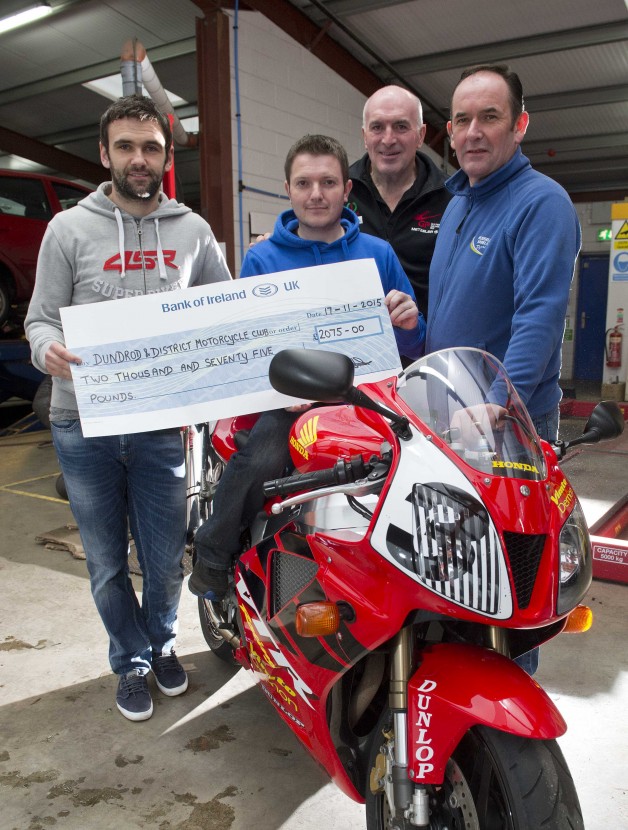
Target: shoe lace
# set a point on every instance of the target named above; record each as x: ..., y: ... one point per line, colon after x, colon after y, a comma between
x: 135, y: 684
x: 167, y: 662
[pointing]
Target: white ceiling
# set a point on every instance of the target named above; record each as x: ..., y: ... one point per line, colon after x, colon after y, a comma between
x: 572, y: 56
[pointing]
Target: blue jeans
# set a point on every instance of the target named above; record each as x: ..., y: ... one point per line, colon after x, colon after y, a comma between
x: 121, y: 482
x: 547, y: 425
x: 239, y: 497
x: 547, y: 428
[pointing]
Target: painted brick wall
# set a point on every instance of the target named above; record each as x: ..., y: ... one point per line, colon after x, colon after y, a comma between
x: 285, y: 92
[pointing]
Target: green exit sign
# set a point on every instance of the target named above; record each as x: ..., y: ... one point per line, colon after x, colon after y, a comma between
x: 604, y: 235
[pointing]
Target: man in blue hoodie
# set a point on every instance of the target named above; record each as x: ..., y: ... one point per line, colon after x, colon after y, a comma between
x: 318, y: 230
x: 506, y: 250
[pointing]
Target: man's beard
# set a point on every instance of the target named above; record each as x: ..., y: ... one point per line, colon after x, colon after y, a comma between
x: 138, y: 193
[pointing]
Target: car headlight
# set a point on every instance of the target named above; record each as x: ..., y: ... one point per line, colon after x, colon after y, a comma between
x: 575, y: 566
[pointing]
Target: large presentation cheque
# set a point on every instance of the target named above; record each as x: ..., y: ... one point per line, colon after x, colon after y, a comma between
x: 198, y: 354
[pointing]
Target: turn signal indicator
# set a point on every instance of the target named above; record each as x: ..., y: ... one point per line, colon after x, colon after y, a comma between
x: 579, y: 620
x: 317, y: 619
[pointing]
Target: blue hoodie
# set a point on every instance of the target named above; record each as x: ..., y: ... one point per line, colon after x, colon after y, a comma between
x: 285, y: 250
x: 501, y: 272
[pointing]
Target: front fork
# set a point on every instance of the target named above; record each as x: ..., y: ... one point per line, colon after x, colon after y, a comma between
x: 404, y: 797
x: 409, y: 801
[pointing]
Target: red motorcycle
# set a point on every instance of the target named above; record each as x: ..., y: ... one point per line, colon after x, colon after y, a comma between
x: 426, y: 538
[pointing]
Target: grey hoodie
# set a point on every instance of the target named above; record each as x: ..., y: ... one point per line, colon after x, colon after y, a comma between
x: 96, y: 252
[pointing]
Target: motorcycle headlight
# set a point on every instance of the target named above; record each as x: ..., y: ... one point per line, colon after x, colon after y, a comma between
x: 575, y: 566
x: 456, y: 550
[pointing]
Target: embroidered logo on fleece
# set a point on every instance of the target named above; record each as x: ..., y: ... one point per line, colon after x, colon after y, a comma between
x: 354, y: 207
x: 479, y: 244
x: 427, y: 222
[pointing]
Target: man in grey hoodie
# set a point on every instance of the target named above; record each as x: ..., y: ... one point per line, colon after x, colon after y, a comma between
x: 124, y: 240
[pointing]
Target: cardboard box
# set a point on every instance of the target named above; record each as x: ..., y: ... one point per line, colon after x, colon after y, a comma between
x: 613, y: 391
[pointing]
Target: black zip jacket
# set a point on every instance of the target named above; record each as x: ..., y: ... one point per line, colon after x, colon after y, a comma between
x: 413, y: 226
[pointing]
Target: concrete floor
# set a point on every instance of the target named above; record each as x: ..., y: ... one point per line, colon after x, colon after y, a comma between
x: 217, y: 758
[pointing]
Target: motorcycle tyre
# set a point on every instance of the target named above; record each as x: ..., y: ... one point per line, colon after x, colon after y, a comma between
x: 529, y: 785
x: 213, y: 639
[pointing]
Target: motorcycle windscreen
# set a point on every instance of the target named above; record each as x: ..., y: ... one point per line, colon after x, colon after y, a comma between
x: 466, y: 398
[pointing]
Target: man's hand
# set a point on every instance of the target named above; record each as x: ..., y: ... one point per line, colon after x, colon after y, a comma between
x: 402, y: 310
x: 261, y: 238
x: 58, y: 360
x: 475, y: 421
x: 298, y: 407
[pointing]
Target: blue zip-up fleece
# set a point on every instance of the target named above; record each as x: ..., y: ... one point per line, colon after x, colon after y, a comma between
x: 500, y: 276
x: 285, y: 250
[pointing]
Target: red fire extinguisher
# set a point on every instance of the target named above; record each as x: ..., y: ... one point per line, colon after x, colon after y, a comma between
x: 613, y: 347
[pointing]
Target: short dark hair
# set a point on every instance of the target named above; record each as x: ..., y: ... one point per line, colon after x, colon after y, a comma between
x: 318, y: 145
x: 134, y: 106
x: 515, y: 88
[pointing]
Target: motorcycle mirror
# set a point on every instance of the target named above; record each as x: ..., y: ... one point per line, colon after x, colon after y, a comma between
x: 327, y: 377
x: 312, y: 374
x: 605, y: 422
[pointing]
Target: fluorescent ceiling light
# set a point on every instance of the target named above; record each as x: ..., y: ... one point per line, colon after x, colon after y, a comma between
x: 111, y: 88
x: 23, y: 17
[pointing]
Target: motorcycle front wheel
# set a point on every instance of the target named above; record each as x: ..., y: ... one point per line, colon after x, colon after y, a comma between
x: 493, y: 781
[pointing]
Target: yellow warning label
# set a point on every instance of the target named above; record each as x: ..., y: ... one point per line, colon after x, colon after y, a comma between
x: 619, y: 210
x: 622, y: 233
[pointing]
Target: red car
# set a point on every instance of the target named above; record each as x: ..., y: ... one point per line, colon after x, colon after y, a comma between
x: 27, y: 202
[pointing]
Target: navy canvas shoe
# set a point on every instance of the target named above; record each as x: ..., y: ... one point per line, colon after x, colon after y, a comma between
x: 169, y: 674
x: 133, y: 698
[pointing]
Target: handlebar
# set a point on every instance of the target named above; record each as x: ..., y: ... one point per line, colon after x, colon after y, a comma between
x: 343, y: 472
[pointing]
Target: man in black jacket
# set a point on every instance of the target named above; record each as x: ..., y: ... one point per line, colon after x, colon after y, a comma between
x: 398, y: 192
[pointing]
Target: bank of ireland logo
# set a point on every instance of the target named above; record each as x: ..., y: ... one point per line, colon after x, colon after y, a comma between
x: 480, y: 244
x: 620, y: 263
x: 267, y: 289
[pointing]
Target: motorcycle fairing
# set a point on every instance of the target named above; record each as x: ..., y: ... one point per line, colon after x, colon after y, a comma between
x: 279, y: 675
x: 269, y: 655
x: 484, y: 585
x: 289, y: 579
x: 460, y: 686
x: 318, y: 660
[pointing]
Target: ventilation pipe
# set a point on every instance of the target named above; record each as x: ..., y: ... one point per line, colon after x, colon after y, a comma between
x: 137, y: 70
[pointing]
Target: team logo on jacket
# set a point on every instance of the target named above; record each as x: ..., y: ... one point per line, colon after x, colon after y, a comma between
x: 140, y: 260
x: 479, y: 244
x: 354, y: 207
x: 307, y: 436
x: 427, y: 222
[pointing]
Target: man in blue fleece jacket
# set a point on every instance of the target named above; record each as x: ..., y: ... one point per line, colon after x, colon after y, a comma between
x: 318, y: 230
x: 508, y: 241
x: 506, y: 250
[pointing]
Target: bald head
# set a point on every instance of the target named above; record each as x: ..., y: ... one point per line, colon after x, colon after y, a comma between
x: 393, y: 131
x: 395, y: 96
